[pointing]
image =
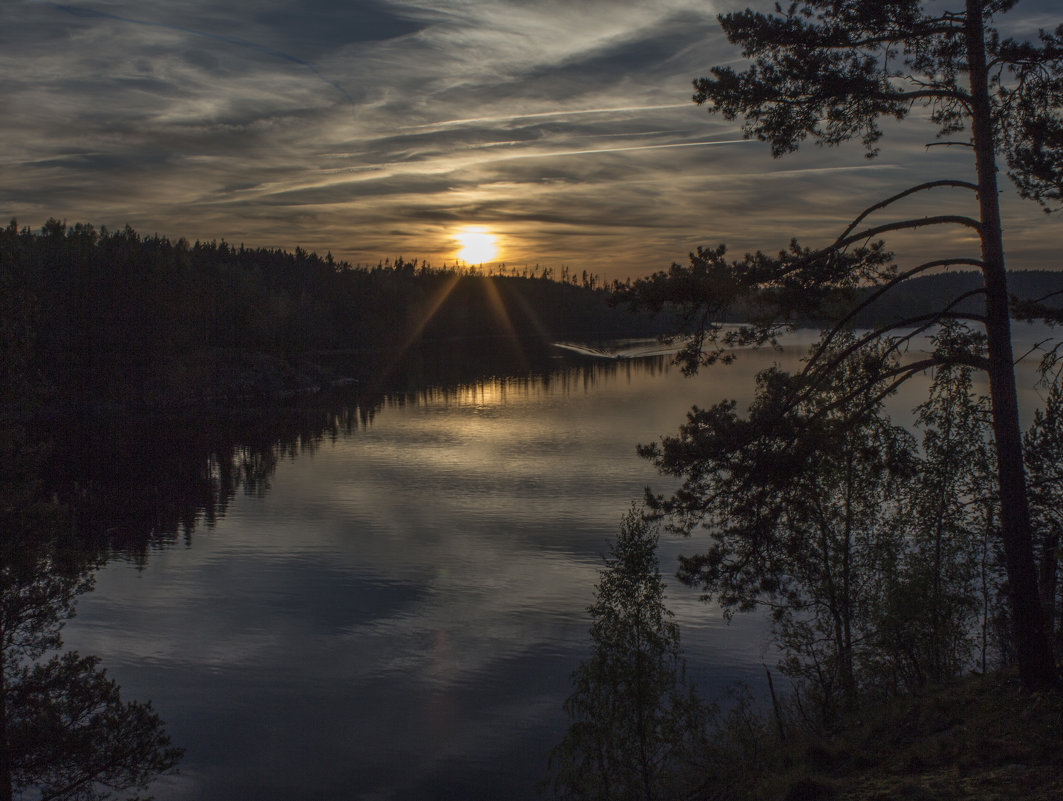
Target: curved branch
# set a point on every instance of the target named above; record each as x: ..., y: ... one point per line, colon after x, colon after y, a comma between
x: 926, y: 319
x: 967, y: 360
x: 900, y: 278
x: 867, y: 233
x: 1033, y: 348
x: 915, y: 369
x: 919, y: 94
x: 847, y: 239
x: 943, y: 26
x: 1043, y: 298
x: 903, y: 373
x: 901, y: 195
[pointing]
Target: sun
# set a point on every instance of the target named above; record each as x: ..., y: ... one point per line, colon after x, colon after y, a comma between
x: 476, y: 246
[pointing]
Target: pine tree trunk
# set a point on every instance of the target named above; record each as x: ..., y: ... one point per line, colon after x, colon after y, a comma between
x: 1033, y: 648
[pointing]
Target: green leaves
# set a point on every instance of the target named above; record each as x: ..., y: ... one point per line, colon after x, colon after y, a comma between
x: 636, y: 727
x: 828, y: 71
x: 1029, y: 114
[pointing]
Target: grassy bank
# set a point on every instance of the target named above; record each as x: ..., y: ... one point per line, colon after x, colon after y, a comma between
x: 980, y: 739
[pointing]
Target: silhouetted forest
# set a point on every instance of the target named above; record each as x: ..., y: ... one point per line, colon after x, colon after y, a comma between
x: 118, y: 318
x: 926, y: 294
x: 121, y: 318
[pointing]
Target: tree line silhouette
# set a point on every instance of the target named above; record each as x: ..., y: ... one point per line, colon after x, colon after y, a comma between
x: 118, y: 317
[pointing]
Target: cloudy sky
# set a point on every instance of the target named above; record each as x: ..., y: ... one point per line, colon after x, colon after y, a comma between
x: 377, y: 128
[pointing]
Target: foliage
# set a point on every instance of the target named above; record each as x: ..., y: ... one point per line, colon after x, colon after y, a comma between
x: 827, y: 71
x: 73, y: 736
x: 65, y: 732
x: 637, y: 728
x: 977, y: 739
x: 797, y: 509
x: 866, y: 548
x: 1044, y: 460
x: 928, y: 591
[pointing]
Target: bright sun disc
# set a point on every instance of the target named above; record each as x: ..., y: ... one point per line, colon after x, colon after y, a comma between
x: 476, y: 246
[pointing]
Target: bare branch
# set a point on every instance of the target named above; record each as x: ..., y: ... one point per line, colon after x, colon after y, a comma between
x: 868, y: 233
x: 925, y: 320
x: 901, y: 195
x: 902, y: 373
x: 1033, y: 348
x: 900, y: 278
x: 1043, y: 298
x: 922, y: 94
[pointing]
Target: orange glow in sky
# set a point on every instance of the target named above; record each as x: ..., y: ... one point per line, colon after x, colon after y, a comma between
x: 476, y: 246
x: 551, y: 134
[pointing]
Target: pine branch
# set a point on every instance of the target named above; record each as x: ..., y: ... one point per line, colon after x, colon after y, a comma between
x: 901, y: 195
x: 867, y: 302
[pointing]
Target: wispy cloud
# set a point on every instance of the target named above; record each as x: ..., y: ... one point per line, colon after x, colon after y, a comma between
x: 630, y: 148
x: 376, y: 127
x: 561, y: 113
x: 80, y: 11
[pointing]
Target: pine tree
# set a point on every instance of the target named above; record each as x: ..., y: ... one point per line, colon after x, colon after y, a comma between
x: 827, y: 71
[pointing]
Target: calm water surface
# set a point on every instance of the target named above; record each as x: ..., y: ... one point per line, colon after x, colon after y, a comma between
x: 397, y: 614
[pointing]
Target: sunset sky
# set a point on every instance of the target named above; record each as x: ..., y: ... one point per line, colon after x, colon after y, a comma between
x: 560, y: 131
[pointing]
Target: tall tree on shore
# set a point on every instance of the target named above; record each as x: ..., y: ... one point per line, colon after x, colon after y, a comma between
x: 827, y: 71
x: 636, y: 725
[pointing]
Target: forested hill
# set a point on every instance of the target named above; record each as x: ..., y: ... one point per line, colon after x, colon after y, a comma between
x: 931, y: 293
x: 111, y: 316
x: 114, y: 316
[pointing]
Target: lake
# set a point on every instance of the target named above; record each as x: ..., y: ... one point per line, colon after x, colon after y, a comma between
x: 386, y: 601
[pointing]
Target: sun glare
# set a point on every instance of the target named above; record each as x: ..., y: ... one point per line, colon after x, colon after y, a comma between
x: 476, y: 246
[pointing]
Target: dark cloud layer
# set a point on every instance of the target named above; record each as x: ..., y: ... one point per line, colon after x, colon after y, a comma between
x: 564, y: 128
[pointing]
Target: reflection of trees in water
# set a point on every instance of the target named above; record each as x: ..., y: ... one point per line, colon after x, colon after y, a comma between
x: 137, y: 482
x: 131, y: 483
x: 65, y: 732
x: 565, y: 377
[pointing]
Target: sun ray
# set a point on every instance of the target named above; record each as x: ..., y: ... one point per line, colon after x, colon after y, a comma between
x: 502, y: 315
x: 533, y: 317
x: 438, y: 299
